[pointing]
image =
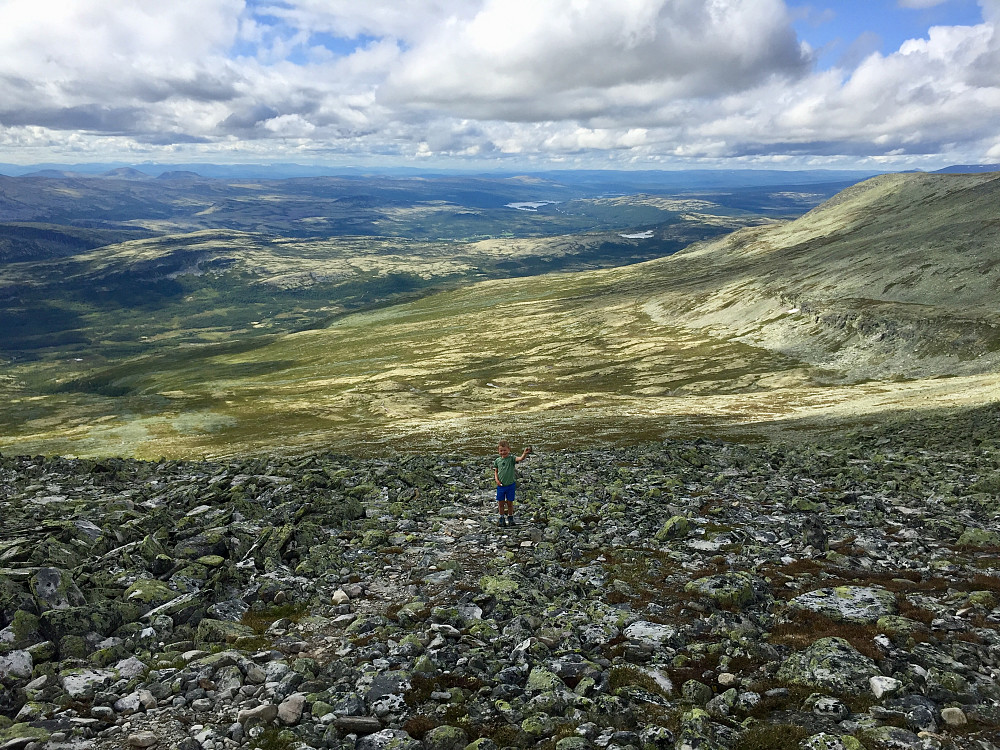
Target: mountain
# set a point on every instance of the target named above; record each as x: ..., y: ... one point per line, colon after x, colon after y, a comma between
x: 969, y: 168
x: 126, y: 173
x: 881, y: 299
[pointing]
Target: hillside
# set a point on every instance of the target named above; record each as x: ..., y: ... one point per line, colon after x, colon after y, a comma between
x: 674, y: 595
x: 875, y: 301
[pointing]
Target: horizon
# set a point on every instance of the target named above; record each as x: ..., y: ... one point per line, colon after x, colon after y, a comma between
x: 513, y: 86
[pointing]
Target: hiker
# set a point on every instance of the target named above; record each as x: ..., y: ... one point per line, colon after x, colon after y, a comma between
x: 503, y: 473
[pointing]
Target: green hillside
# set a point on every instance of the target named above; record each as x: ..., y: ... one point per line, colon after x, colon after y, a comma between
x: 881, y: 299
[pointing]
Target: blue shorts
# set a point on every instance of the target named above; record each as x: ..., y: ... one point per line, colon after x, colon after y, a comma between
x: 506, y: 492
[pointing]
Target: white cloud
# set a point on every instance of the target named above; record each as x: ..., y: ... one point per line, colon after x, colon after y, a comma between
x: 630, y: 81
x: 919, y: 3
x: 530, y: 61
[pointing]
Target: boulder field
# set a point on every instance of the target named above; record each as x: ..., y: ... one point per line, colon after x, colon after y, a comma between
x: 839, y: 592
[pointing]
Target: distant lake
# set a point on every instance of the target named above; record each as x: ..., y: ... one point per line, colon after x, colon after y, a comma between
x: 529, y: 205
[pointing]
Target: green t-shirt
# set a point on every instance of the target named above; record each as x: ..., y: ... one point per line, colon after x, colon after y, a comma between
x: 505, y: 470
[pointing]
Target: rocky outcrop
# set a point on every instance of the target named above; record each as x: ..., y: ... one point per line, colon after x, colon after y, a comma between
x: 674, y: 595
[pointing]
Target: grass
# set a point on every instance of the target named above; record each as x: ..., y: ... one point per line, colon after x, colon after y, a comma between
x: 803, y: 628
x: 260, y: 620
x: 771, y: 737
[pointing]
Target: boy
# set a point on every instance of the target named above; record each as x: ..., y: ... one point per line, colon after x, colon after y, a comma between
x: 503, y: 473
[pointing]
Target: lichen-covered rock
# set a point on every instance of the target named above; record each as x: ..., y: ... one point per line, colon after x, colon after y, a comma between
x: 825, y: 741
x: 736, y: 589
x: 830, y: 664
x: 16, y: 664
x: 55, y: 589
x: 445, y: 738
x: 220, y: 631
x: 978, y: 538
x: 676, y: 527
x: 891, y: 738
x: 388, y: 739
x: 697, y: 732
x: 856, y: 604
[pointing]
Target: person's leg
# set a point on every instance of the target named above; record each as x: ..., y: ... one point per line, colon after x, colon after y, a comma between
x: 510, y: 505
x: 501, y: 502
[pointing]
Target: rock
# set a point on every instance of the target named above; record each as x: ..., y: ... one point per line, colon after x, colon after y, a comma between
x: 387, y: 739
x: 829, y: 664
x: 263, y: 714
x: 736, y: 589
x: 290, y: 710
x: 143, y: 739
x: 445, y: 738
x: 954, y: 717
x: 882, y: 686
x: 81, y: 684
x: 676, y: 527
x: 857, y: 604
x: 54, y: 589
x: 16, y: 664
x: 340, y: 597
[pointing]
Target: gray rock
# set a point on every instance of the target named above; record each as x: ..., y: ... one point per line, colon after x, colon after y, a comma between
x: 445, y: 738
x: 143, y: 739
x: 290, y: 710
x: 388, y: 739
x: 829, y: 664
x: 858, y: 604
x: 16, y: 664
x: 263, y: 714
x: 54, y: 589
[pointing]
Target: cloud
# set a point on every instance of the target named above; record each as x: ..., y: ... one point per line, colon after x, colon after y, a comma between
x: 524, y: 60
x: 609, y: 81
x: 919, y: 3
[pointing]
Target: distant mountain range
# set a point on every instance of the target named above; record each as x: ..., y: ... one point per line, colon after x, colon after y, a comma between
x: 624, y: 179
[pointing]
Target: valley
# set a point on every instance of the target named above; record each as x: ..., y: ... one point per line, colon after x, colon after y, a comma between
x: 222, y: 341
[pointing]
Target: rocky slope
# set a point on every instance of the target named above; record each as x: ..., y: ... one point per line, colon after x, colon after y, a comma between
x: 839, y: 594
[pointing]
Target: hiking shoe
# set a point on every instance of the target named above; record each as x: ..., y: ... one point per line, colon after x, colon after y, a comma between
x: 510, y: 521
x: 500, y: 522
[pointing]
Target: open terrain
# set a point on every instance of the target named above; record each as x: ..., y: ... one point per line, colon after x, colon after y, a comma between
x: 833, y: 594
x: 108, y: 280
x: 881, y: 299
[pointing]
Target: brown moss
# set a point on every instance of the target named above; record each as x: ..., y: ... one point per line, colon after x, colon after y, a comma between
x: 982, y: 582
x: 419, y: 725
x: 803, y: 628
x: 771, y: 737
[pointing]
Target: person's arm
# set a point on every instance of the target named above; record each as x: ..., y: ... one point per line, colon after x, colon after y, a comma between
x: 524, y: 454
x: 496, y: 475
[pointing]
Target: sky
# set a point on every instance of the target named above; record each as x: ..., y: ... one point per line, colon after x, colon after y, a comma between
x: 503, y: 84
